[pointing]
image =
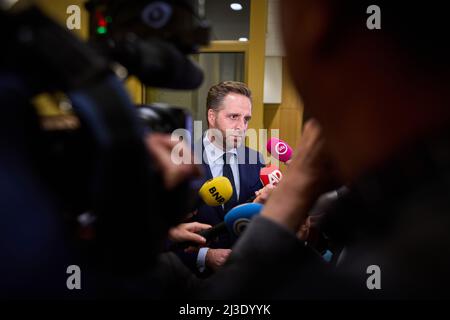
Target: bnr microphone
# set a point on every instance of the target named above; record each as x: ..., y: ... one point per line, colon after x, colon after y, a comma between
x: 213, y: 192
x: 270, y: 175
x: 216, y: 192
x: 279, y: 149
x: 235, y: 221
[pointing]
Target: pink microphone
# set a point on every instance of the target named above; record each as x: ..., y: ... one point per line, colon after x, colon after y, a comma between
x: 279, y: 149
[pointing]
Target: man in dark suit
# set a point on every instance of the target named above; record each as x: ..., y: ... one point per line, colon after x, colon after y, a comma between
x: 229, y: 110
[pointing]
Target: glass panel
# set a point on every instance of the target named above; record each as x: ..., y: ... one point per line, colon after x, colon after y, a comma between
x: 217, y: 67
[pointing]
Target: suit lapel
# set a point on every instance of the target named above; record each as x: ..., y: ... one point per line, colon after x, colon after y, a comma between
x: 205, y: 163
x: 208, y: 175
x: 242, y: 173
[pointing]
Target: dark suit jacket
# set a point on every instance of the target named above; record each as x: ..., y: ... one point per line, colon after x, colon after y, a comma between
x: 250, y: 163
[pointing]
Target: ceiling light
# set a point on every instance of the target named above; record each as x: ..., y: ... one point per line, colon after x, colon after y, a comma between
x: 236, y: 6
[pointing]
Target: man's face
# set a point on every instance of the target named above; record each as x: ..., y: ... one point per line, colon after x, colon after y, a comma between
x: 232, y: 119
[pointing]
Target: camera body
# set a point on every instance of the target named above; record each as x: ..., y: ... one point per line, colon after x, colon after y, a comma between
x: 164, y: 118
x: 171, y: 21
x: 101, y: 165
x: 151, y: 39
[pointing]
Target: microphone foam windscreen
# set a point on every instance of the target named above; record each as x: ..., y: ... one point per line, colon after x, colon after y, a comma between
x: 270, y: 175
x: 279, y: 149
x: 216, y: 192
x: 237, y: 218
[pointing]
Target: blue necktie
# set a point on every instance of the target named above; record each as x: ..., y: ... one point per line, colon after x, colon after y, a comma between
x: 227, y: 172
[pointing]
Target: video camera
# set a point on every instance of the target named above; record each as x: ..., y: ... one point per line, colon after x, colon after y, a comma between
x: 161, y: 117
x: 102, y: 165
x: 151, y: 39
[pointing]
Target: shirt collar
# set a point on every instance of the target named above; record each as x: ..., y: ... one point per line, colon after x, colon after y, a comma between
x: 214, y: 153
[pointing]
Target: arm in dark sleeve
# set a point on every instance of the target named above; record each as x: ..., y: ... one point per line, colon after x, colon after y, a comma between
x: 174, y: 279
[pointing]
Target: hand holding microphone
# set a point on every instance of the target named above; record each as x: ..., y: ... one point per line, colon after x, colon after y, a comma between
x: 235, y: 221
x: 270, y: 176
x: 262, y: 195
x: 188, y: 232
x: 214, y: 192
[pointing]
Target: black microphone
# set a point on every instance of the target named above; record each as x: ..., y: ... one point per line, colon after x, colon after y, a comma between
x: 235, y: 222
x: 208, y: 234
x: 213, y: 232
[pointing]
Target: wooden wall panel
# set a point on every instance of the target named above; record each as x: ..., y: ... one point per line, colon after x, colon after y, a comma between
x: 286, y: 116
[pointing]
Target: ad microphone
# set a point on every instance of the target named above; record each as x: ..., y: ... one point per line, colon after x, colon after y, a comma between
x: 270, y: 175
x: 279, y: 149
